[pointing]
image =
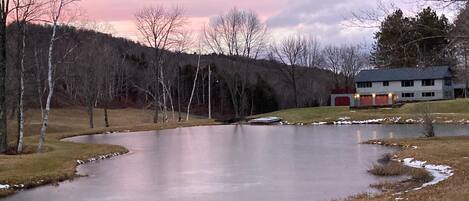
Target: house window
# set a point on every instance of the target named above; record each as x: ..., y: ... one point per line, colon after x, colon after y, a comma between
x: 448, y: 82
x: 364, y: 85
x: 428, y: 94
x: 407, y: 83
x: 385, y: 84
x: 428, y: 83
x: 407, y: 95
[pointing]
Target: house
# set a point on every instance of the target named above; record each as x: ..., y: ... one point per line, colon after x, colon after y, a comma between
x: 388, y: 86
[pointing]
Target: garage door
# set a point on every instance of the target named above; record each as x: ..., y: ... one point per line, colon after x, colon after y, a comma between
x: 382, y: 100
x: 366, y: 100
x: 342, y: 101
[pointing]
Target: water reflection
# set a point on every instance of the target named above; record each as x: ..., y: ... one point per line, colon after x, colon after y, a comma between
x: 233, y: 163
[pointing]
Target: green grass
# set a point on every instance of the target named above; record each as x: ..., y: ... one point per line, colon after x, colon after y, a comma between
x: 454, y: 110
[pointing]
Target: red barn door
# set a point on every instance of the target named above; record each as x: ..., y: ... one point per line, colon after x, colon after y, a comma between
x: 342, y: 101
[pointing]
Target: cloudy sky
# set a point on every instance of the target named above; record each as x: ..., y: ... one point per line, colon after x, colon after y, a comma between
x: 324, y: 19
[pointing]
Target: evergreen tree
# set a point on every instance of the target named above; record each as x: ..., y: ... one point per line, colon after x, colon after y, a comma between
x: 412, y: 41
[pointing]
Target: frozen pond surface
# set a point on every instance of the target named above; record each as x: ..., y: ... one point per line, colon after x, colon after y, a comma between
x: 232, y: 163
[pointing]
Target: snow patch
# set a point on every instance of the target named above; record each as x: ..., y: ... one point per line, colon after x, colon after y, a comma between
x: 319, y: 123
x: 80, y: 162
x: 439, y: 172
x: 370, y: 121
x: 344, y: 118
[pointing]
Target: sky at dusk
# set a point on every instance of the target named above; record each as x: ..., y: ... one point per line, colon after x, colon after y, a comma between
x: 324, y: 19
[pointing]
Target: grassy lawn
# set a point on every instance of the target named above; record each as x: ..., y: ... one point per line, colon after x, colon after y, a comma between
x: 452, y: 151
x: 59, y: 162
x: 444, y: 112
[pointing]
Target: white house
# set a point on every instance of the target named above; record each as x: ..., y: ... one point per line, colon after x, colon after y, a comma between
x: 388, y: 86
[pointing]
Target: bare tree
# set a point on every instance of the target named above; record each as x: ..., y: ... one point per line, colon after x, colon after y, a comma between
x: 332, y: 57
x: 290, y: 52
x: 56, y: 9
x: 25, y: 11
x: 353, y: 60
x: 193, y: 89
x: 241, y: 35
x: 183, y: 44
x: 312, y: 55
x: 158, y: 27
x: 4, y: 10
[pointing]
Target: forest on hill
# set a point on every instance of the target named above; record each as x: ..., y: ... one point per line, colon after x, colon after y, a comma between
x: 233, y: 69
x: 99, y: 70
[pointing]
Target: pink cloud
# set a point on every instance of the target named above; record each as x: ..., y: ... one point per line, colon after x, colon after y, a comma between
x: 120, y: 13
x: 112, y: 10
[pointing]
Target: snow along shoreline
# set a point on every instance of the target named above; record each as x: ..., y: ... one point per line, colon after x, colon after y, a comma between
x: 439, y: 172
x: 343, y: 121
x: 79, y: 162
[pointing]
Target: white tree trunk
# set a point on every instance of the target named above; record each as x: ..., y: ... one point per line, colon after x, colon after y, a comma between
x: 193, y: 90
x: 50, y: 81
x: 171, y: 103
x: 19, y: 148
x: 165, y: 107
x: 209, y: 92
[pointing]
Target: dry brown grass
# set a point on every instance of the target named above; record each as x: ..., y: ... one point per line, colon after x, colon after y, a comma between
x: 58, y: 163
x: 394, y: 168
x: 452, y: 151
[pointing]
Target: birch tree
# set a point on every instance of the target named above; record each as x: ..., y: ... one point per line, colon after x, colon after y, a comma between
x: 158, y: 26
x: 4, y: 10
x: 25, y: 11
x: 193, y: 89
x: 56, y: 9
x: 183, y: 44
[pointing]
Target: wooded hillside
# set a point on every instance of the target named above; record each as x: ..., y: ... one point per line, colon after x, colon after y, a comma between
x: 99, y: 70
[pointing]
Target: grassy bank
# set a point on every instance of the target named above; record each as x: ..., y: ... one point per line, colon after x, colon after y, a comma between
x: 59, y: 162
x: 453, y: 111
x: 452, y: 151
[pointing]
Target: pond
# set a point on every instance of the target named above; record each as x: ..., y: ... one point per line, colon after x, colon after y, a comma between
x: 285, y: 163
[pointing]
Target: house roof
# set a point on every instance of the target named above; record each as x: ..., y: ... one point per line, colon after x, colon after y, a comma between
x: 399, y: 74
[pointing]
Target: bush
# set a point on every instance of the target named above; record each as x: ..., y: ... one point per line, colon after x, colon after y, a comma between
x: 389, y: 169
x: 427, y: 120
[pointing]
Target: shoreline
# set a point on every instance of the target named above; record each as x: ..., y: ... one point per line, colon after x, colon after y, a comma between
x: 99, y: 152
x: 448, y: 181
x: 408, y: 150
